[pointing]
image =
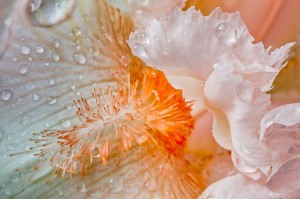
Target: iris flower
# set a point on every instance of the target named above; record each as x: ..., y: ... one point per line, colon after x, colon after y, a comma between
x: 96, y: 103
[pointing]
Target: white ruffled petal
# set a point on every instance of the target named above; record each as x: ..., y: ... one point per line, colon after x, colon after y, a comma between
x: 188, y: 43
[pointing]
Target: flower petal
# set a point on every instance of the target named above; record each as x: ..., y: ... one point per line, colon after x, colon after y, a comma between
x: 143, y: 11
x: 144, y: 172
x: 185, y: 43
x: 48, y: 63
x: 235, y: 187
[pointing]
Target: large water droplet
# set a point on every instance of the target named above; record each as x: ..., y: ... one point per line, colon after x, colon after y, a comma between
x: 79, y: 58
x: 23, y: 69
x: 51, y: 100
x: 226, y: 33
x: 6, y: 95
x: 76, y: 31
x: 48, y: 12
x: 139, y: 50
x: 25, y: 50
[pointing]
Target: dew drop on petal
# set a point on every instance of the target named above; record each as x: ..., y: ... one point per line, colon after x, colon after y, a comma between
x: 56, y: 43
x: 68, y: 106
x: 6, y: 95
x: 51, y: 82
x: 51, y: 100
x: 39, y: 49
x: 65, y: 123
x: 55, y: 57
x: 48, y: 12
x: 76, y: 31
x: 23, y: 69
x: 35, y: 97
x: 25, y: 50
x: 226, y: 33
x: 139, y: 50
x: 79, y: 58
x: 24, y: 120
x: 26, y: 147
x: 81, y: 187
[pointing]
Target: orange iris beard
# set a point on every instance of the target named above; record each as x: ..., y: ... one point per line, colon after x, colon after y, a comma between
x: 156, y: 113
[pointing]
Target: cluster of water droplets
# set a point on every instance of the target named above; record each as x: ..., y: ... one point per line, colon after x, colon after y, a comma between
x: 138, y: 48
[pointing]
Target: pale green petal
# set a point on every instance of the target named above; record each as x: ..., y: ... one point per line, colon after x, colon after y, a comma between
x: 45, y: 66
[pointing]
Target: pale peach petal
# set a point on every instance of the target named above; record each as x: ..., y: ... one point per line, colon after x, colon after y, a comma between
x: 201, y: 139
x: 238, y: 186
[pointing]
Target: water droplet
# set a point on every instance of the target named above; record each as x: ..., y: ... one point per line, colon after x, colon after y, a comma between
x: 139, y: 50
x: 143, y: 37
x: 76, y: 31
x: 72, y: 87
x: 77, y: 93
x: 46, y: 64
x: 15, y: 178
x: 51, y: 100
x: 23, y: 69
x: 65, y: 123
x: 81, y: 187
x: 6, y: 95
x: 68, y: 106
x: 226, y: 33
x: 79, y: 58
x: 51, y: 82
x: 25, y: 120
x: 35, y: 97
x: 25, y: 50
x: 48, y: 12
x: 56, y: 43
x: 55, y: 57
x: 26, y: 147
x: 39, y: 49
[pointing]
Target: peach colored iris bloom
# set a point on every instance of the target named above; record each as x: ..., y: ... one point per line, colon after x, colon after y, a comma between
x: 134, y: 118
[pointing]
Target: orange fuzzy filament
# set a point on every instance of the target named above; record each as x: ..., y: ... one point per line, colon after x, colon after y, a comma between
x: 116, y: 121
